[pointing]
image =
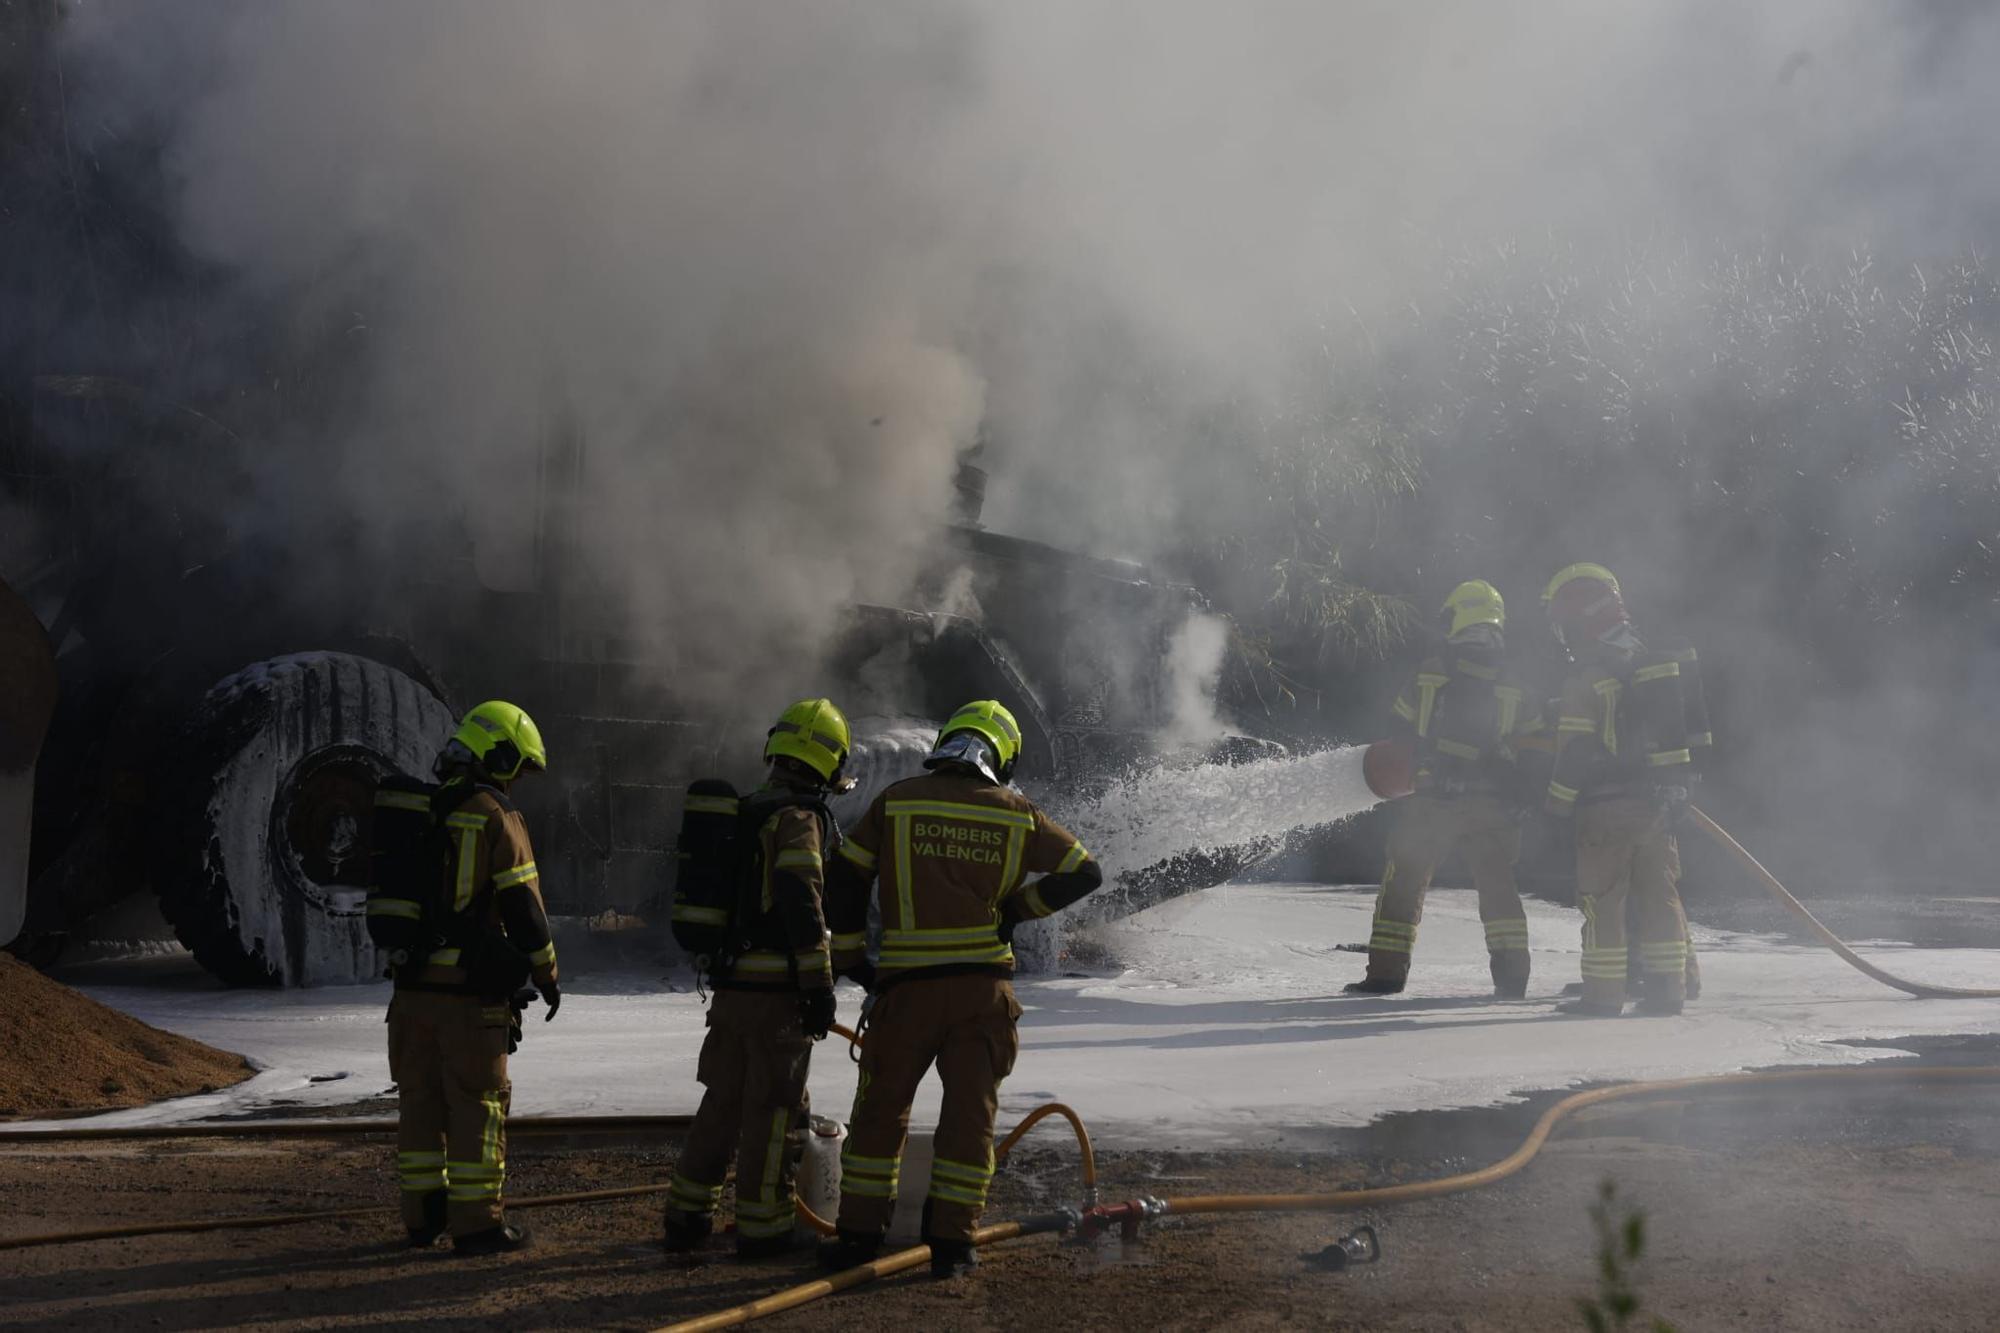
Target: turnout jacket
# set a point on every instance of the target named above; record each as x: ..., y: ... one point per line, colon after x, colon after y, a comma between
x: 787, y: 934
x: 953, y: 853
x: 490, y: 880
x: 1629, y: 724
x: 1467, y: 714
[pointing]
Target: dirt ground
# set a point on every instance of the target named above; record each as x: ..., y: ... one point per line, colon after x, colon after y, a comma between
x: 1842, y: 1209
x: 61, y: 1051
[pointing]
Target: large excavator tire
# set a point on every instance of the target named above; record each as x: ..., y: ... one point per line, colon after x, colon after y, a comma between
x: 27, y: 702
x: 262, y: 843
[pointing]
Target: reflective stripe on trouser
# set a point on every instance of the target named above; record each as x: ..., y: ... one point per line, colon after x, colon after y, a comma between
x: 1628, y: 872
x: 753, y: 1068
x: 966, y: 1026
x: 448, y: 1055
x: 1426, y: 831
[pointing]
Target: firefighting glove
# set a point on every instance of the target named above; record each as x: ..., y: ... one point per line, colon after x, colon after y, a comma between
x: 861, y: 974
x: 1010, y: 917
x: 816, y: 1011
x: 1674, y: 802
x: 552, y: 997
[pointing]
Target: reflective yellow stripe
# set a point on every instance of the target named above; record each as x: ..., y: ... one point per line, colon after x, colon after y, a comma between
x: 1662, y: 758
x: 444, y: 958
x: 544, y: 956
x: 1558, y: 792
x: 905, y: 905
x: 984, y: 814
x: 1032, y: 897
x: 1010, y: 867
x: 1658, y: 671
x: 462, y: 820
x: 711, y: 805
x: 764, y: 962
x: 850, y: 943
x: 489, y: 1143
x: 700, y: 916
x: 944, y: 1193
x: 1609, y: 689
x: 797, y: 859
x: 1456, y: 750
x: 1075, y: 857
x: 894, y: 959
x: 1508, y: 934
x: 521, y: 874
x: 858, y: 854
x: 1586, y: 726
x: 402, y: 800
x: 468, y: 850
x: 942, y: 935
x: 401, y: 907
x: 1510, y: 698
x: 1404, y: 709
x: 1476, y: 671
x: 1428, y: 685
x: 968, y: 1173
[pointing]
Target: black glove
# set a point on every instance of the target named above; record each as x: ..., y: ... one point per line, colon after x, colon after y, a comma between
x: 1675, y: 801
x: 552, y: 997
x: 1009, y: 918
x: 816, y: 1011
x: 861, y: 974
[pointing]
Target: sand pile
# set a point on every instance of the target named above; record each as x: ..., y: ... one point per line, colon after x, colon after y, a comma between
x: 62, y: 1051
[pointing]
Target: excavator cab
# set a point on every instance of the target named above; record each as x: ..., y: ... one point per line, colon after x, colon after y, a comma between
x: 27, y: 703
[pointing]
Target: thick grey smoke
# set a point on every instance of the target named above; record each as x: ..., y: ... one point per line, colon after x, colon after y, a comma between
x: 762, y: 269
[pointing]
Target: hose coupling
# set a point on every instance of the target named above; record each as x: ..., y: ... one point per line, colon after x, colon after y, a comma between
x: 1127, y: 1217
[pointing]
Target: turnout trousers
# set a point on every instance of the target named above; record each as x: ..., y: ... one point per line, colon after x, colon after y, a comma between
x: 1628, y: 872
x: 1427, y: 829
x: 965, y: 1025
x: 753, y: 1068
x: 448, y: 1055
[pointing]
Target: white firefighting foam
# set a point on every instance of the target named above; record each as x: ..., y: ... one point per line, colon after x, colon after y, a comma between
x: 1168, y: 811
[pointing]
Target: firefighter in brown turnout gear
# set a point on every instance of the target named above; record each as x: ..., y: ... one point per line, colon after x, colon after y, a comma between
x: 954, y: 850
x: 1466, y: 713
x: 761, y: 936
x: 458, y: 899
x: 1633, y: 724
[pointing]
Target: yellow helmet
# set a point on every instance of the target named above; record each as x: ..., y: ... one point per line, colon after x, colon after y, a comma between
x: 502, y: 738
x: 813, y: 732
x: 1571, y: 573
x: 1474, y: 602
x: 989, y: 720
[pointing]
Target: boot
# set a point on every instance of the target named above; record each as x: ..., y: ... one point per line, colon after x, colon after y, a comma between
x: 952, y: 1258
x: 1583, y: 1008
x: 503, y: 1239
x: 1510, y: 975
x: 433, y: 1229
x: 1374, y: 986
x: 763, y: 1247
x: 686, y: 1231
x: 849, y: 1249
x: 1660, y: 1006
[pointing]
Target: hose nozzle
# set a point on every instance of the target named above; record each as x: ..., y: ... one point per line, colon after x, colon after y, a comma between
x: 1359, y: 1246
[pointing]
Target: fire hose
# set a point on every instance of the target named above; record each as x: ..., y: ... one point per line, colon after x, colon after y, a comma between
x: 1128, y: 1216
x: 1777, y: 890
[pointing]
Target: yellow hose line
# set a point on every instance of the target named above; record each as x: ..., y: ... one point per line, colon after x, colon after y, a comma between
x: 1342, y: 1200
x: 793, y: 1297
x: 248, y: 1220
x: 1041, y: 1113
x: 314, y: 1129
x: 1826, y: 937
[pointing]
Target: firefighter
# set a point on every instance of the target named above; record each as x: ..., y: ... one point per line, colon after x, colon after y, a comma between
x: 773, y: 999
x: 954, y: 849
x: 454, y: 1018
x: 1465, y: 713
x: 1632, y: 723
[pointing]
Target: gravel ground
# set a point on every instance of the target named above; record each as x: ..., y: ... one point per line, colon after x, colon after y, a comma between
x: 1837, y: 1209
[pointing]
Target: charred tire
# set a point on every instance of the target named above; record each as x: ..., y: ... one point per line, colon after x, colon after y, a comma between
x: 261, y: 843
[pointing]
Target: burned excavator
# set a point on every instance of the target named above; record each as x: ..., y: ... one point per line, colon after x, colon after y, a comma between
x: 224, y: 713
